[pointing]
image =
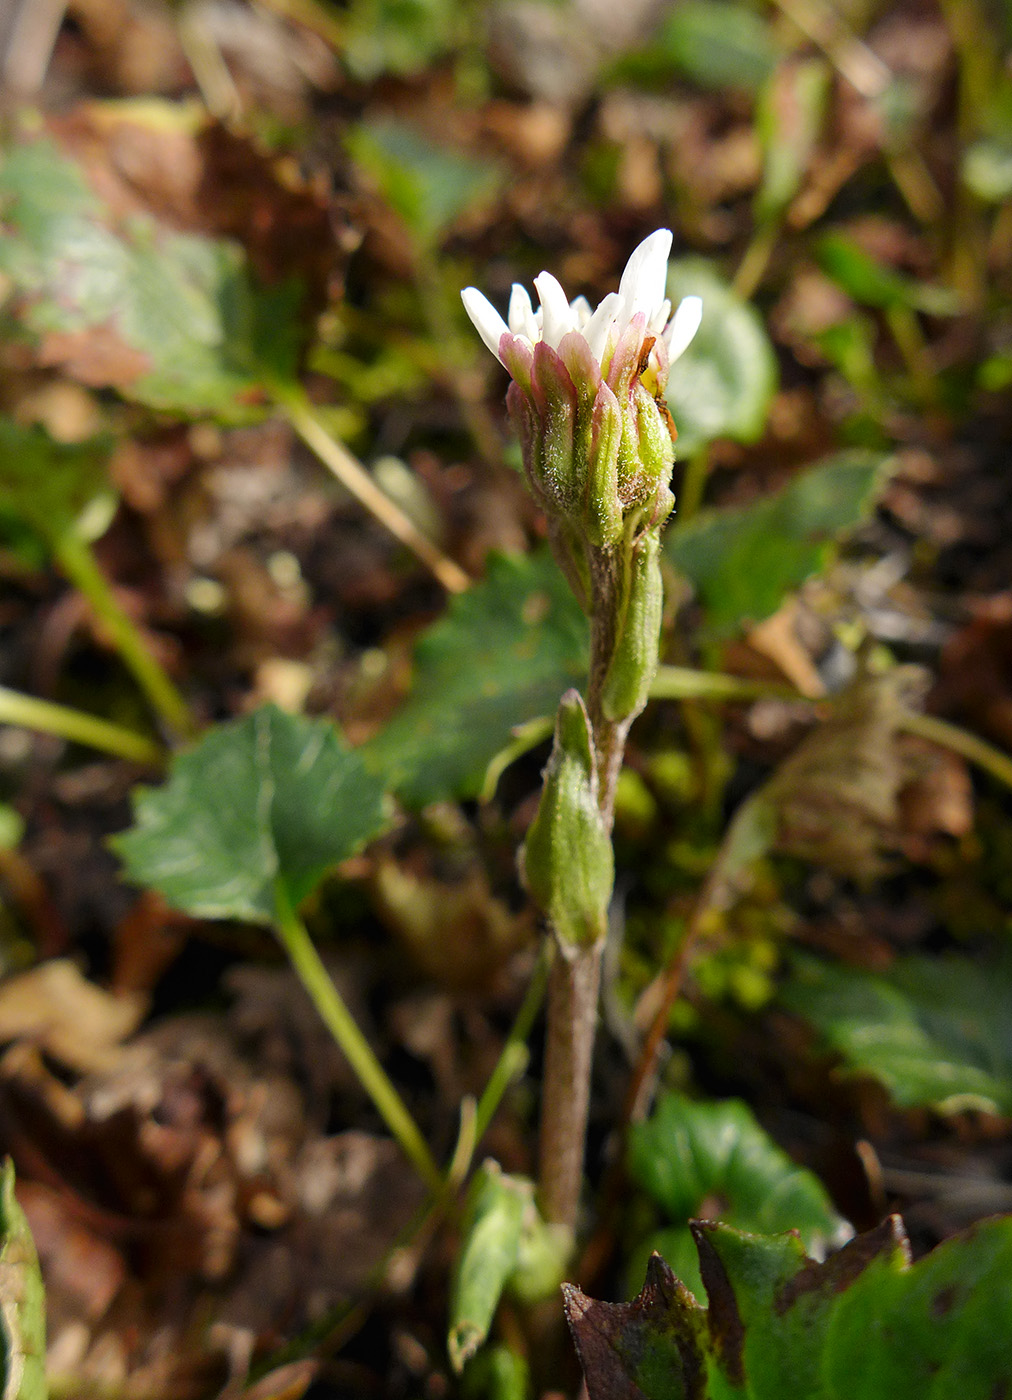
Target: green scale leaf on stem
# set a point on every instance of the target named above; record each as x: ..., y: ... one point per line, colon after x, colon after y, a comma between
x: 22, y: 1302
x: 265, y: 801
x: 864, y: 1325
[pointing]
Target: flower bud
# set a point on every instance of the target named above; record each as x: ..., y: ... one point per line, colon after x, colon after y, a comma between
x: 567, y: 862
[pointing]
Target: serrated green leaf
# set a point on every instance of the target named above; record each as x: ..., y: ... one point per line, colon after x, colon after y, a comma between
x: 504, y: 653
x: 428, y: 185
x: 687, y: 1153
x: 722, y: 385
x: 265, y: 799
x: 22, y: 1302
x: 865, y: 1325
x: 743, y: 560
x: 50, y: 484
x: 935, y: 1031
x: 196, y: 333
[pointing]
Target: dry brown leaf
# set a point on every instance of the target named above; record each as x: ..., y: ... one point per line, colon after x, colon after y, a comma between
x: 56, y: 1008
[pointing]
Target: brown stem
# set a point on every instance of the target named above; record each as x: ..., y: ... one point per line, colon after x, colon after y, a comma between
x: 575, y: 980
x: 572, y: 1021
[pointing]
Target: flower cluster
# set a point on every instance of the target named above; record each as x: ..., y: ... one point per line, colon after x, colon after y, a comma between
x: 587, y: 395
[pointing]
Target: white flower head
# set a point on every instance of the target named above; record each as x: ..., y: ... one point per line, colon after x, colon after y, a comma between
x: 640, y: 298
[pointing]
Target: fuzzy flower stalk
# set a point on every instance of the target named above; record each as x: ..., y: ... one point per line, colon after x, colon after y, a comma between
x: 587, y: 400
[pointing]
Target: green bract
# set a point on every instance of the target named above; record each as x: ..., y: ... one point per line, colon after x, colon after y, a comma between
x: 568, y: 864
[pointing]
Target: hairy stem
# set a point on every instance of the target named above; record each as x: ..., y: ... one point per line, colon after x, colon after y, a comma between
x: 573, y: 988
x: 575, y: 977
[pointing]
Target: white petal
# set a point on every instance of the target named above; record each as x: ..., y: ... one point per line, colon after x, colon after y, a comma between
x: 521, y: 314
x: 597, y: 328
x: 558, y: 318
x: 642, y: 284
x: 660, y: 318
x: 580, y: 307
x: 486, y: 319
x: 684, y: 325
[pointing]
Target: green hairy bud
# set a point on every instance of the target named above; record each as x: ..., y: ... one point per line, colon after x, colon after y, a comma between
x: 567, y: 860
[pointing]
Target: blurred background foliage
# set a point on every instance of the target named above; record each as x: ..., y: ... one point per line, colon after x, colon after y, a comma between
x: 232, y: 238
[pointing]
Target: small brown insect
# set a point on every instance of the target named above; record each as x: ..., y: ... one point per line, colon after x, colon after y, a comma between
x: 648, y: 344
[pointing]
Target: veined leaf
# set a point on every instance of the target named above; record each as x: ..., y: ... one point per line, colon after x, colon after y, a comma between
x: 174, y: 320
x: 688, y: 1153
x: 744, y: 559
x: 503, y: 654
x: 865, y: 1325
x: 935, y: 1031
x: 265, y: 799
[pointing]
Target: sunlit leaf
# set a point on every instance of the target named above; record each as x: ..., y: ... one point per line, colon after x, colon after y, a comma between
x: 173, y: 320
x: 722, y: 386
x: 865, y: 1325
x: 265, y: 800
x: 687, y: 1154
x: 743, y: 560
x: 503, y: 654
x: 934, y: 1031
x: 22, y: 1302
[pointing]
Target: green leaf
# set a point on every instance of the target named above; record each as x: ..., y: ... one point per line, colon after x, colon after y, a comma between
x: 687, y: 1153
x: 872, y: 284
x: 429, y: 186
x: 722, y: 386
x: 397, y: 36
x: 865, y: 1325
x: 503, y: 654
x: 265, y: 799
x: 716, y: 44
x: 935, y: 1031
x: 493, y: 1223
x: 50, y: 484
x: 496, y: 1373
x: 744, y: 559
x: 182, y: 323
x: 22, y: 1302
